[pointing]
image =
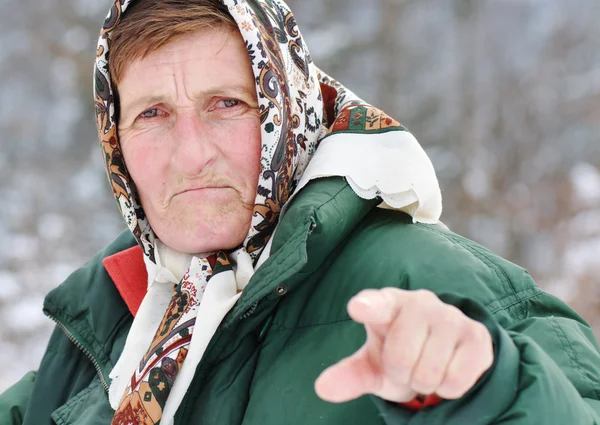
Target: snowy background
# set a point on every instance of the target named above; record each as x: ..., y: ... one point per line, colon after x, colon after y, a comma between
x: 503, y: 94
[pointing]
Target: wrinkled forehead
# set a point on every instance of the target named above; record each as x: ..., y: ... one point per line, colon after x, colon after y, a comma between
x: 203, y: 44
x: 144, y: 27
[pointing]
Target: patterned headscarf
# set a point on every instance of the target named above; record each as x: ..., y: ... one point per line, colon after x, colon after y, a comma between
x: 299, y: 106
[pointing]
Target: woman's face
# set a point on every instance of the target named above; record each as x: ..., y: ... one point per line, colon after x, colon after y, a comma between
x: 190, y: 133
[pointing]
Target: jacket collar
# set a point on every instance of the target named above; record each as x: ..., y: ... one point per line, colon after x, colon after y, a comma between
x: 319, y: 218
x: 128, y: 272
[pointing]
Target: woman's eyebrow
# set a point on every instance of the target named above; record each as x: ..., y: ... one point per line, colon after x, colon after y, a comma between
x: 230, y: 89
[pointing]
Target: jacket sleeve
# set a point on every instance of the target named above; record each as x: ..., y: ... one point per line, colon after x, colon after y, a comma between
x: 14, y: 400
x: 546, y: 371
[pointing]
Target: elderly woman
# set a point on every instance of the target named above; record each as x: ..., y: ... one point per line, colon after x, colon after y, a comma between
x: 251, y: 182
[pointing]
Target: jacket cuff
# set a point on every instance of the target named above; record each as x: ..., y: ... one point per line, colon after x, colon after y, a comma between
x: 418, y: 404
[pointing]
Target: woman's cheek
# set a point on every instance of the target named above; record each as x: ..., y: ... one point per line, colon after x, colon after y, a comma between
x: 144, y: 160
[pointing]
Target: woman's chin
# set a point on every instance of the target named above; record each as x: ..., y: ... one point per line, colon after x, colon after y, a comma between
x: 220, y: 234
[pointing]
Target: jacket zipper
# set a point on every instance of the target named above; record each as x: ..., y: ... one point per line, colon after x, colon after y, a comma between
x: 248, y: 312
x: 82, y: 348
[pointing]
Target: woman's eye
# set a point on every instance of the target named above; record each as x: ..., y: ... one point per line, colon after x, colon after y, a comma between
x: 229, y: 103
x: 151, y: 113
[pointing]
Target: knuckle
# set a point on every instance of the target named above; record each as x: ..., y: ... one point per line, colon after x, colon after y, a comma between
x: 425, y: 296
x: 448, y: 322
x: 389, y: 292
x: 480, y: 333
x: 450, y: 393
x: 454, y: 312
x: 452, y: 318
x: 426, y: 381
x: 453, y: 386
x: 488, y: 363
x: 453, y: 379
x: 487, y: 359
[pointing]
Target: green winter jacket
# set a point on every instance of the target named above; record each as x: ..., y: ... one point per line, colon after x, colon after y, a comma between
x: 291, y: 323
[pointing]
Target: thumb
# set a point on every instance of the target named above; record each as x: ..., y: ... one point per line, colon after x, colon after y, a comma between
x: 348, y: 379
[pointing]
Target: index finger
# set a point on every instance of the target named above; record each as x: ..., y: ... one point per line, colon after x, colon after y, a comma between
x: 377, y: 307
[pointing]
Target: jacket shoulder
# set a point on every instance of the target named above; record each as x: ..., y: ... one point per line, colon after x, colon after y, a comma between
x: 75, y: 290
x: 387, y: 249
x: 13, y: 401
x: 92, y: 320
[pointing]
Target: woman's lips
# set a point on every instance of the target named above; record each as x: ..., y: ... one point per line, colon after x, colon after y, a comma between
x: 207, y: 192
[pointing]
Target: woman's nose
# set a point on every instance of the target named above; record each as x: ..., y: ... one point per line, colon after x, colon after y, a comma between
x: 194, y: 147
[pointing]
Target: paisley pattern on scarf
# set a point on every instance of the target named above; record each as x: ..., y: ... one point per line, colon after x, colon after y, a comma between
x: 294, y: 118
x: 152, y: 381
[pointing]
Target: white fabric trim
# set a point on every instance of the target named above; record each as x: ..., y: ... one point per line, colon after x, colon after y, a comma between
x: 390, y: 165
